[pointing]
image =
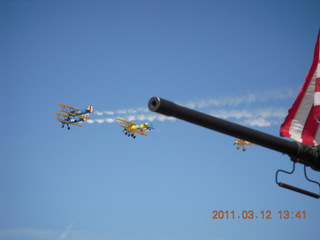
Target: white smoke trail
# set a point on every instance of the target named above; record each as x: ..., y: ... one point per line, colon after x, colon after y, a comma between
x: 103, y: 113
x: 66, y: 231
x: 262, y: 113
x: 262, y: 117
x: 249, y: 98
x: 122, y: 112
x: 131, y: 118
x: 257, y: 122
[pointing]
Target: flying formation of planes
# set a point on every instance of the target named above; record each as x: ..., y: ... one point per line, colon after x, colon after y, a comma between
x: 72, y: 115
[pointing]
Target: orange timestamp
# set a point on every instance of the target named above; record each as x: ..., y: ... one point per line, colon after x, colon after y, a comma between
x: 264, y: 214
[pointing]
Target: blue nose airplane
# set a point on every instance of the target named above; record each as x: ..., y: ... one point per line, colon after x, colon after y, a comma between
x: 72, y: 115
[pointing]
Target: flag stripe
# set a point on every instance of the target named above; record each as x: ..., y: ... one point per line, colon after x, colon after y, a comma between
x: 310, y: 129
x: 300, y: 123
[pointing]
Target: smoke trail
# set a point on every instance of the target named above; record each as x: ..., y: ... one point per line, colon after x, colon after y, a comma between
x: 103, y: 113
x: 66, y: 231
x: 262, y: 117
x: 122, y: 112
x: 249, y: 98
x: 146, y: 117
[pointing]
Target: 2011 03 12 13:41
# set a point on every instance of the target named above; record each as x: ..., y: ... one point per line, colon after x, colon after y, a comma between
x: 264, y: 214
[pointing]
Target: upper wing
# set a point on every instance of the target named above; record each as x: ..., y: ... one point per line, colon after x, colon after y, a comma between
x: 250, y: 143
x: 247, y: 143
x: 243, y: 142
x: 62, y: 105
x: 126, y: 122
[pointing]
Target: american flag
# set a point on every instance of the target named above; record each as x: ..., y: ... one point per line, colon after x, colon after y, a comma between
x: 303, y: 119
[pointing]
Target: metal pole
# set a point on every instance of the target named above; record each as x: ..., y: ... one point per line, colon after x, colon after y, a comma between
x: 298, y: 152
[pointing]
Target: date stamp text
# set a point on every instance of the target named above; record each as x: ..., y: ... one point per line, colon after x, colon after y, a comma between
x: 264, y: 214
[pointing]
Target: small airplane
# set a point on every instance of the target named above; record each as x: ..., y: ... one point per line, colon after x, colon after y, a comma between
x: 73, y: 115
x: 71, y: 111
x: 242, y: 143
x: 131, y: 128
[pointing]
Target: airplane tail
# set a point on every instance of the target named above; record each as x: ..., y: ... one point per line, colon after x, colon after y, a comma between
x: 90, y: 109
x: 150, y: 125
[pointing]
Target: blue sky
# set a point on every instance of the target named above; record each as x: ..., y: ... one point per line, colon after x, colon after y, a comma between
x: 243, y: 61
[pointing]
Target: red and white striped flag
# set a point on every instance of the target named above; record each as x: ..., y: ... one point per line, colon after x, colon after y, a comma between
x: 303, y: 119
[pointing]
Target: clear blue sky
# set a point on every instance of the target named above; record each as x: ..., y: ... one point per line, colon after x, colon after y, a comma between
x: 241, y: 60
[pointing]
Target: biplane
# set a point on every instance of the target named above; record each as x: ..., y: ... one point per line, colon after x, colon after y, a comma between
x: 71, y: 111
x: 242, y: 143
x: 130, y: 128
x: 72, y: 115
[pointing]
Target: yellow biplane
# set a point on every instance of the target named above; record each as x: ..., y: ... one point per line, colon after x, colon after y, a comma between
x: 130, y: 128
x: 72, y: 115
x: 242, y: 143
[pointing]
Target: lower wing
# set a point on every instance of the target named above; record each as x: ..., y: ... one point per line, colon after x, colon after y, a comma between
x: 66, y: 122
x: 74, y: 124
x: 128, y: 129
x: 140, y: 131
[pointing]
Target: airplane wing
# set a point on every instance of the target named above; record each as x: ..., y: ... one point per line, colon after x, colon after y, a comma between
x: 76, y: 124
x: 250, y: 143
x: 126, y: 122
x: 141, y: 133
x: 62, y: 120
x: 69, y: 113
x: 62, y: 105
x: 134, y: 130
x: 83, y: 117
x: 244, y: 142
x: 127, y: 128
x: 60, y: 114
x: 66, y: 122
